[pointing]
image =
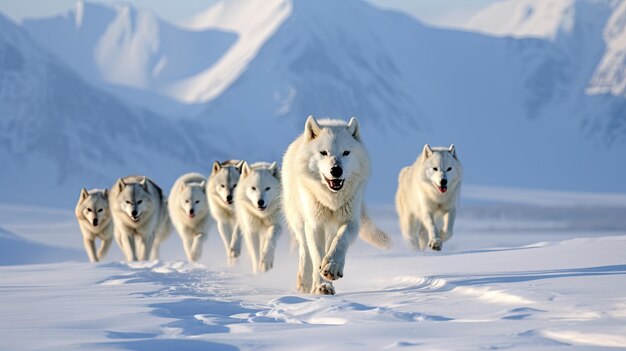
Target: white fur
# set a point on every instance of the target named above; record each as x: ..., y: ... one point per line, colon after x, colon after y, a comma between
x: 420, y: 203
x: 257, y: 206
x: 189, y: 212
x: 136, y: 235
x: 94, y: 218
x: 221, y: 184
x: 325, y: 221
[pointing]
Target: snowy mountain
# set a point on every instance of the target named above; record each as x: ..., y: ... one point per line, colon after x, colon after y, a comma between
x: 503, y: 101
x: 564, y: 22
x: 59, y: 133
x: 510, y: 102
x: 131, y: 49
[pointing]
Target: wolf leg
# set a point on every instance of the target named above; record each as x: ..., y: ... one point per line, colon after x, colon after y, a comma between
x: 104, y: 247
x: 252, y: 244
x: 195, y: 249
x: 90, y: 247
x: 267, y: 249
x: 434, y: 242
x: 447, y: 229
x: 334, y: 261
x: 147, y: 243
x: 305, y: 266
x: 235, y: 242
x: 316, y: 242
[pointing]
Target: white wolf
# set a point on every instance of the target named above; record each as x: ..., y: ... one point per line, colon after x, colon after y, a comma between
x: 428, y: 193
x: 189, y: 212
x: 140, y: 216
x: 257, y: 207
x: 94, y: 219
x: 324, y: 174
x: 220, y: 193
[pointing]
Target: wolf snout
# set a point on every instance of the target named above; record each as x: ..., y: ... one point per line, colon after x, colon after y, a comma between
x: 95, y: 222
x: 444, y: 182
x: 261, y: 203
x: 229, y: 199
x: 336, y: 171
x: 134, y: 213
x: 192, y: 212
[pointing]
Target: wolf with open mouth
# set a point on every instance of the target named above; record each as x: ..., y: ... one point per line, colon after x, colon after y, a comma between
x: 428, y: 192
x: 324, y: 174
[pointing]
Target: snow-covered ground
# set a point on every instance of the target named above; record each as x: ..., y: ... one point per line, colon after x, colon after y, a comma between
x: 518, y: 274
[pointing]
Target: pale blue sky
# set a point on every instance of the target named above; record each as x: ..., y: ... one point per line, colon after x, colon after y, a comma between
x: 432, y: 11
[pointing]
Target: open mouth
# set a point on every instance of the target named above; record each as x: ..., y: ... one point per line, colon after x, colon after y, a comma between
x: 192, y: 215
x: 442, y: 188
x: 261, y: 208
x: 134, y: 218
x: 334, y: 184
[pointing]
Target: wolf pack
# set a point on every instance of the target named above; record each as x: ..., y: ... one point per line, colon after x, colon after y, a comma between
x: 318, y: 193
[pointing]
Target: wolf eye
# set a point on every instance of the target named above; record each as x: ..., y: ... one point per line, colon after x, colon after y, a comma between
x: 346, y: 153
x: 268, y: 188
x: 139, y: 202
x: 100, y: 210
x: 128, y: 202
x: 323, y: 153
x: 197, y: 201
x: 253, y: 188
x: 223, y: 186
x: 234, y: 186
x: 88, y: 210
x: 449, y: 169
x: 435, y: 169
x: 186, y: 201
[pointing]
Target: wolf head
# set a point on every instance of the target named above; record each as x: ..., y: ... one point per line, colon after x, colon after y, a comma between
x: 441, y: 167
x: 192, y: 199
x: 134, y: 199
x: 335, y: 152
x: 224, y: 178
x: 260, y: 185
x: 93, y: 207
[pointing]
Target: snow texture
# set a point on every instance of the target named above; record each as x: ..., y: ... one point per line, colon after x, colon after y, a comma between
x: 514, y: 276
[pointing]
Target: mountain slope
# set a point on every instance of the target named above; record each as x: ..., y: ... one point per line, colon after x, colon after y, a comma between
x: 58, y: 133
x: 510, y: 105
x: 121, y: 45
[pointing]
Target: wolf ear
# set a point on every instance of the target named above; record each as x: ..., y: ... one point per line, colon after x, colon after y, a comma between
x: 144, y: 183
x: 216, y: 167
x: 427, y: 152
x: 274, y: 170
x: 354, y: 129
x: 239, y: 165
x: 83, y: 195
x: 245, y: 169
x: 182, y: 186
x: 311, y: 128
x: 203, y: 185
x: 452, y: 151
x: 105, y: 194
x: 120, y: 184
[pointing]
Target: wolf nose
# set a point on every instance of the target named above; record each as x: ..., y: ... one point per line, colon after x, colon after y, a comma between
x: 261, y: 203
x: 191, y: 211
x: 229, y: 198
x: 444, y: 182
x: 336, y: 171
x: 134, y: 213
x: 95, y: 222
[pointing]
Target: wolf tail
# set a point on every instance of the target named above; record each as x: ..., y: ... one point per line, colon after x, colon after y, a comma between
x: 372, y: 234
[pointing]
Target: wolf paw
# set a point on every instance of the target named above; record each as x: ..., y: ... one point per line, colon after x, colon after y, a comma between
x: 326, y: 288
x: 435, y: 244
x: 234, y: 253
x: 265, y: 265
x: 331, y: 270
